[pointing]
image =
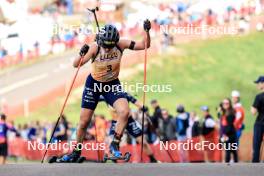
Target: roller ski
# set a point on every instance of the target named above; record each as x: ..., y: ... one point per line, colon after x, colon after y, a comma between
x: 115, y: 154
x: 74, y: 157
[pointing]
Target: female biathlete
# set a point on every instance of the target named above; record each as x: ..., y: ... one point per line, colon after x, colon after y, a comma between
x: 106, y: 55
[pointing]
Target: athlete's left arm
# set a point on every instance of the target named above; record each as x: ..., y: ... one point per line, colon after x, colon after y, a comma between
x: 130, y: 44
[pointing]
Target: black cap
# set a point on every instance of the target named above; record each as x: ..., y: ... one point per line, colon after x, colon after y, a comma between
x: 259, y: 80
x: 180, y: 109
x: 3, y: 116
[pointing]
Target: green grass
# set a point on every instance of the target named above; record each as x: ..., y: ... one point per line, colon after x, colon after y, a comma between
x: 208, y: 72
x: 204, y: 74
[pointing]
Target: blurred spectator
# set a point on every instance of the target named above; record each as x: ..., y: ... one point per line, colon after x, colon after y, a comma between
x: 194, y: 129
x: 3, y: 52
x: 260, y: 27
x: 167, y: 40
x: 24, y: 132
x: 99, y: 128
x: 65, y: 6
x: 209, y: 124
x: 71, y: 131
x: 243, y: 25
x: 32, y: 131
x: 157, y: 113
x: 229, y: 131
x: 208, y: 131
x: 61, y: 130
x: 41, y: 132
x: 210, y: 18
x: 89, y: 135
x: 167, y: 128
x: 240, y: 113
x: 258, y: 109
x: 4, y: 128
x: 182, y: 123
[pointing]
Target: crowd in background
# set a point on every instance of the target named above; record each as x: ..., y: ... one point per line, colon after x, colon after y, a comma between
x: 30, y: 32
x: 161, y: 126
x: 27, y: 33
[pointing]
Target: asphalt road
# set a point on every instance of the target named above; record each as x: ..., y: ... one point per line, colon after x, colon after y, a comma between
x: 28, y: 82
x: 25, y: 83
x: 96, y: 169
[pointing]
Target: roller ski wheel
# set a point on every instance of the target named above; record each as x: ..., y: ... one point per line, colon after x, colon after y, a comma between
x: 125, y: 157
x: 55, y: 159
x: 81, y: 159
x: 105, y: 158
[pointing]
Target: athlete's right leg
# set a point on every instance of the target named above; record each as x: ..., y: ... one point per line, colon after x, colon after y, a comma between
x: 85, y: 118
x: 89, y: 102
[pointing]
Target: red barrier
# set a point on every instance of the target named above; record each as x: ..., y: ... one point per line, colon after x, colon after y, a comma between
x: 16, y: 147
x: 213, y: 155
x: 196, y: 155
x: 164, y: 152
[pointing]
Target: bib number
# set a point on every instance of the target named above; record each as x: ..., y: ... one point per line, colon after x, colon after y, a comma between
x: 109, y: 68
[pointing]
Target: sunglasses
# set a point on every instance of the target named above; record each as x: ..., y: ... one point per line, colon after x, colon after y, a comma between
x: 108, y: 45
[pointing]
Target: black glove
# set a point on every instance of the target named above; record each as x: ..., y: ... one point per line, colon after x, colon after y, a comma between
x: 147, y: 25
x: 84, y: 50
x: 144, y: 109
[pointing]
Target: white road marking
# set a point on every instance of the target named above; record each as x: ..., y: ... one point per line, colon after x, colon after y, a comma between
x: 22, y: 83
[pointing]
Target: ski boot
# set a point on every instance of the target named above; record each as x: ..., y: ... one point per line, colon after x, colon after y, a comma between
x: 74, y: 157
x: 115, y: 154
